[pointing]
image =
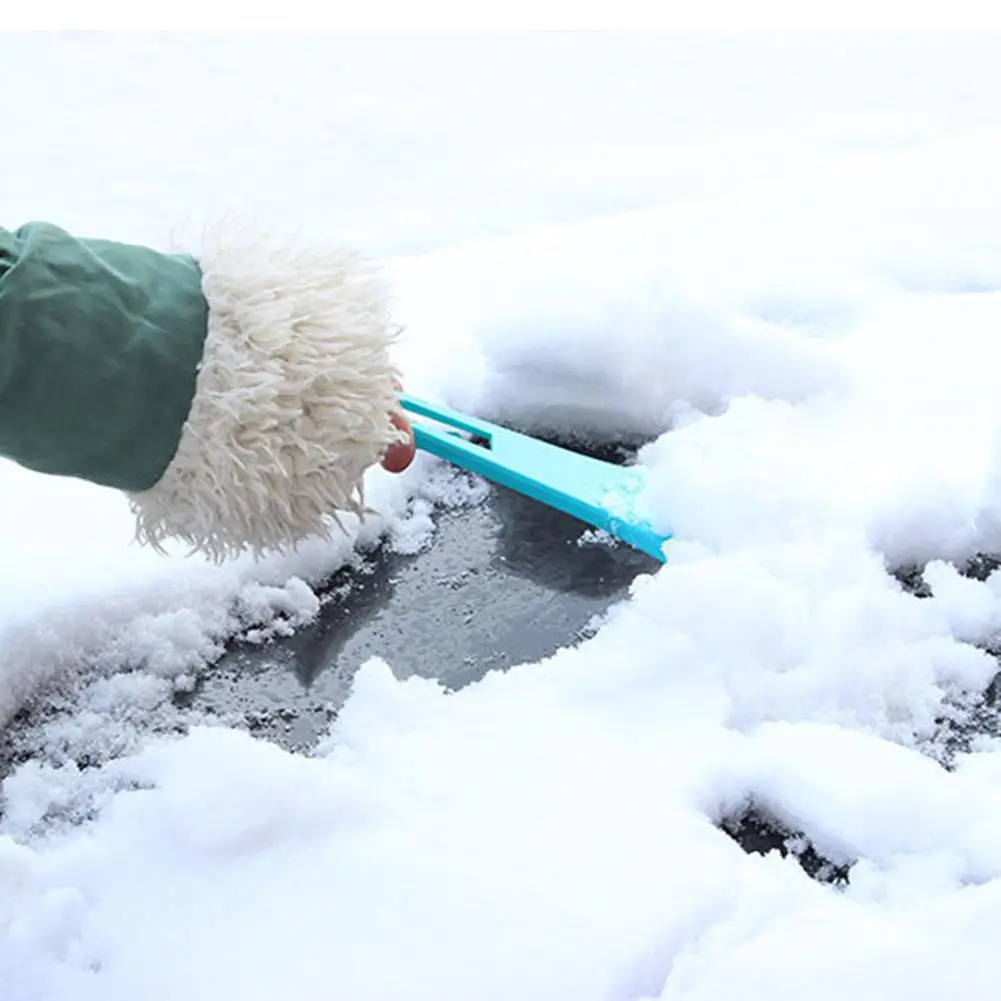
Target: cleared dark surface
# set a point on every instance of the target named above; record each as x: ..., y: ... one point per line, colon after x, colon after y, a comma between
x: 501, y: 583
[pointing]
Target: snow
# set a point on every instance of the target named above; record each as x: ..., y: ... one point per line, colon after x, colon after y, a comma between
x: 776, y: 262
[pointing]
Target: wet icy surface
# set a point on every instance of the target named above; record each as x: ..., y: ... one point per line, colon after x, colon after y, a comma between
x: 503, y: 582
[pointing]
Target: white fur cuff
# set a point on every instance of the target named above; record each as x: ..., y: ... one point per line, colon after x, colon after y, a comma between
x: 291, y: 404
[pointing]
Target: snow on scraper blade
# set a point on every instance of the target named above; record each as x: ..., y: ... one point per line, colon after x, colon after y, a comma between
x: 596, y: 492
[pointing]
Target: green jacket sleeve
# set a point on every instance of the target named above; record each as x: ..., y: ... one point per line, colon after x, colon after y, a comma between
x: 99, y: 348
x: 237, y: 395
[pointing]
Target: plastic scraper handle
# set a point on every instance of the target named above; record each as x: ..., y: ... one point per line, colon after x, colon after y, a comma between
x: 596, y: 492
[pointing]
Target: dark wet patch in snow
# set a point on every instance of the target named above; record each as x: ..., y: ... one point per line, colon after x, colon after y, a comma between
x: 758, y: 832
x: 502, y: 583
x: 967, y: 716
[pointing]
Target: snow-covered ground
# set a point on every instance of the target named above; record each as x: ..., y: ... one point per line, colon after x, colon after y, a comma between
x: 779, y: 261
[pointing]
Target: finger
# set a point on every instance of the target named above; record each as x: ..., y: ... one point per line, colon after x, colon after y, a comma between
x: 400, y: 454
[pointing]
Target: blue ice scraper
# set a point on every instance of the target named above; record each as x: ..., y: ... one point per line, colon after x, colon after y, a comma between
x: 596, y: 492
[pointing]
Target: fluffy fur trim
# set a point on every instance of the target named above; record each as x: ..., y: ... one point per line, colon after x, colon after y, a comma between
x: 291, y: 404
